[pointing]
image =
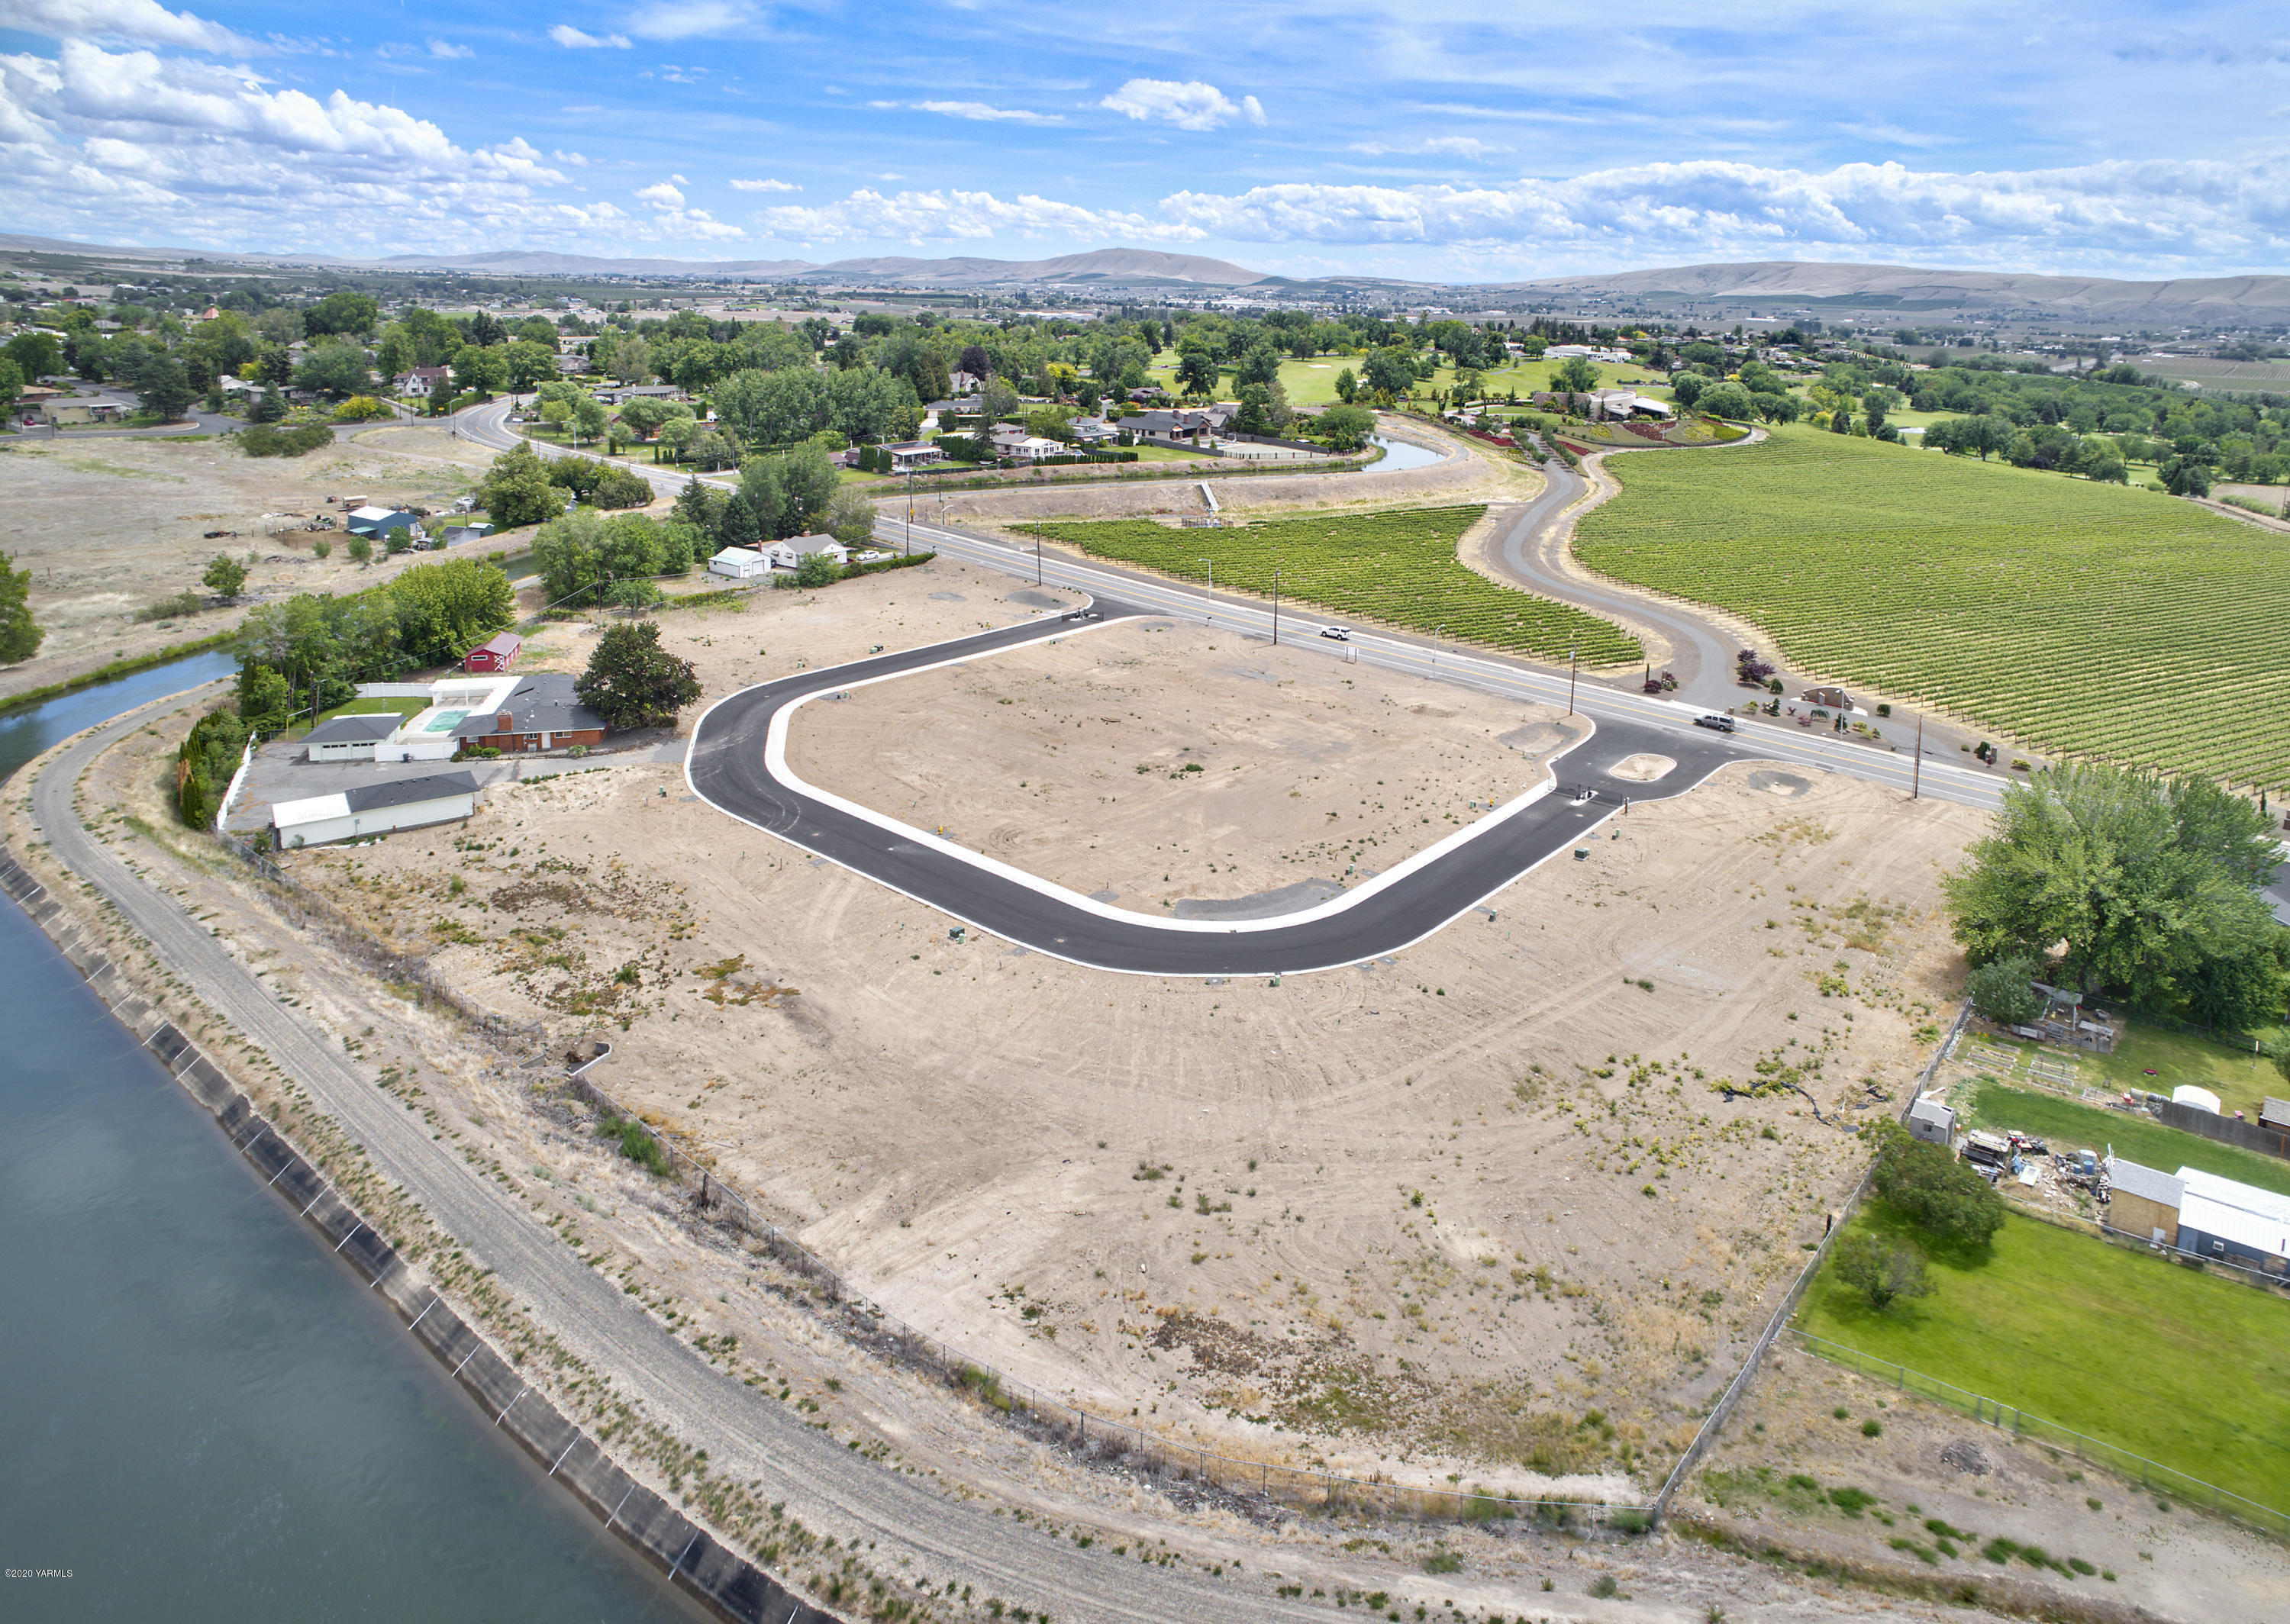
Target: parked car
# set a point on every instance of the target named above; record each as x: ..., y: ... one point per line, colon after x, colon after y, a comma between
x: 1340, y: 634
x: 1085, y: 614
x: 1723, y: 724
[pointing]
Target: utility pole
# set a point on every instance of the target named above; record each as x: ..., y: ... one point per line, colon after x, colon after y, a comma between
x: 910, y: 511
x: 1276, y: 607
x: 1037, y: 560
x: 1570, y: 680
x: 1917, y: 779
x: 1209, y: 565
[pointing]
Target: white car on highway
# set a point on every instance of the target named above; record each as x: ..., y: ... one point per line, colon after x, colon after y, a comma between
x: 1341, y: 634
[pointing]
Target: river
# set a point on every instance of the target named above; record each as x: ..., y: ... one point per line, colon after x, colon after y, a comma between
x: 203, y: 1415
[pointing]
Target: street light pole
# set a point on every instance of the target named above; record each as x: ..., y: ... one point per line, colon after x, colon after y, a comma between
x: 1276, y: 607
x: 910, y: 512
x: 1917, y: 778
x: 1209, y: 566
x: 1037, y: 560
x: 1569, y: 679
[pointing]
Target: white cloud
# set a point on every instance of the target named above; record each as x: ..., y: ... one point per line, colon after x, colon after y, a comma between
x: 687, y: 20
x: 765, y: 186
x: 131, y: 145
x: 984, y: 112
x: 448, y: 51
x: 144, y: 21
x: 2213, y: 209
x: 1438, y: 145
x: 565, y: 35
x: 936, y: 216
x: 661, y: 195
x: 1189, y: 104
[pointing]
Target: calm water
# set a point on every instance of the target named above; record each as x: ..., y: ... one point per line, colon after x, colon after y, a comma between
x: 203, y: 1415
x: 1399, y: 454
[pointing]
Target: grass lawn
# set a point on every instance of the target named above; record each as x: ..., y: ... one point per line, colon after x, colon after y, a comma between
x: 2075, y: 616
x: 2066, y: 1125
x: 1170, y: 453
x: 2191, y: 1372
x: 2151, y: 1058
x: 407, y: 707
x: 1397, y: 567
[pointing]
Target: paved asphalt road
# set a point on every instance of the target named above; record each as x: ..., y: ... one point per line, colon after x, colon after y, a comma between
x: 728, y: 767
x: 750, y: 1436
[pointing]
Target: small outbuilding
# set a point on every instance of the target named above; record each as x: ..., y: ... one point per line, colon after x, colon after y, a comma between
x: 350, y: 738
x: 1829, y: 698
x: 2201, y: 1099
x: 475, y: 531
x: 1933, y: 1122
x: 374, y: 809
x: 2143, y: 1201
x: 499, y: 654
x: 738, y: 564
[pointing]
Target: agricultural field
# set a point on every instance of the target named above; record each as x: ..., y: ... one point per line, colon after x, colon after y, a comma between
x: 2077, y: 618
x: 2188, y: 1370
x: 2066, y: 1125
x: 1399, y: 568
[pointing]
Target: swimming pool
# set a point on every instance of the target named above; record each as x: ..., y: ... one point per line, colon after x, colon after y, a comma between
x: 444, y: 721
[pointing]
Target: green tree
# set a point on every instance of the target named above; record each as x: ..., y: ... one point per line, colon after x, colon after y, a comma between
x: 1389, y: 370
x: 1346, y: 428
x: 225, y: 574
x: 1576, y: 375
x: 1729, y: 401
x: 265, y: 700
x: 587, y: 418
x: 444, y: 610
x: 36, y: 355
x: 1883, y: 1271
x: 1259, y: 365
x: 11, y: 383
x: 479, y: 371
x: 569, y: 555
x: 516, y: 490
x: 164, y: 388
x: 336, y: 368
x: 850, y: 516
x: 2154, y: 886
x: 346, y: 312
x: 2184, y: 475
x: 1347, y: 385
x: 633, y: 682
x: 528, y: 364
x: 817, y: 569
x: 360, y: 549
x: 20, y: 633
x: 1998, y: 990
x: 1197, y: 372
x: 1927, y: 1185
x: 1050, y: 423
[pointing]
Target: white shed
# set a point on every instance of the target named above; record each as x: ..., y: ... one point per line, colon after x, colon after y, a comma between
x: 739, y: 563
x: 1933, y: 1121
x: 374, y: 809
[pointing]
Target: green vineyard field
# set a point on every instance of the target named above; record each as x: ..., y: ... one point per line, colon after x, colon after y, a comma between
x: 2080, y: 618
x: 1399, y: 568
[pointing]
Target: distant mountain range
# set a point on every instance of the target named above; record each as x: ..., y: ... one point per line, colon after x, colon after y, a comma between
x: 1772, y: 286
x: 1786, y: 285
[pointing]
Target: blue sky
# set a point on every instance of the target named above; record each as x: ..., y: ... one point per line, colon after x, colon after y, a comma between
x: 1462, y: 142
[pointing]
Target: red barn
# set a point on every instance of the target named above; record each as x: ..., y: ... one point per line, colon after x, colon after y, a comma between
x: 498, y: 655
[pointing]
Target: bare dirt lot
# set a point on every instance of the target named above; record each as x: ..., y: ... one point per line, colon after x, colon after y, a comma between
x: 1426, y: 1217
x: 107, y: 526
x: 1161, y: 761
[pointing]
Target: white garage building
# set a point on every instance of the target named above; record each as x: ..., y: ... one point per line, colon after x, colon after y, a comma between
x: 352, y: 737
x: 373, y: 809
